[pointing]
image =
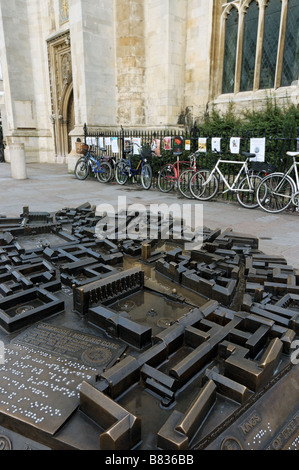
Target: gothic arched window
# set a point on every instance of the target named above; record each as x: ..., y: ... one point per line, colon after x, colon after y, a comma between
x: 290, y: 67
x: 249, y: 47
x: 270, y: 44
x: 230, y: 49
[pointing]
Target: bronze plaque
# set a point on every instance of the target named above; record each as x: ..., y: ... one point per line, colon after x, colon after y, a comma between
x: 91, y: 350
x: 40, y: 389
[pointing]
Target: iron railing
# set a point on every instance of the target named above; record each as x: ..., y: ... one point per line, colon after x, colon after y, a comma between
x: 278, y: 142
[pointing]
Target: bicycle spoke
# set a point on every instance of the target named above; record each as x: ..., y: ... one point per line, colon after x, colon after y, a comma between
x: 275, y: 193
x: 246, y: 194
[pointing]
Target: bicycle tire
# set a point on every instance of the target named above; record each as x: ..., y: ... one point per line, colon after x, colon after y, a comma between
x: 121, y: 175
x: 81, y: 169
x: 167, y: 178
x: 105, y: 175
x: 146, y: 176
x: 184, y: 183
x: 267, y: 196
x: 200, y: 190
x: 247, y: 199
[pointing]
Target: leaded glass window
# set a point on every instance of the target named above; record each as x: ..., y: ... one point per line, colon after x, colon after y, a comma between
x: 249, y: 47
x: 270, y: 44
x: 230, y: 48
x: 290, y: 67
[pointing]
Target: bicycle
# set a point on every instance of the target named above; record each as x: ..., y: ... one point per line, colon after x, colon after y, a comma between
x: 124, y: 169
x: 277, y: 191
x: 204, y: 185
x: 92, y: 163
x: 171, y: 175
x: 112, y: 162
x: 186, y: 175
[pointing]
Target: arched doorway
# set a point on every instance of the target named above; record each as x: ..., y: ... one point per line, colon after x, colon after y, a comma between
x: 70, y: 119
x: 62, y: 98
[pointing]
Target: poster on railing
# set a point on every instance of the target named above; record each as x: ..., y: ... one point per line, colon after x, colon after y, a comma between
x: 127, y: 144
x: 178, y: 145
x: 258, y: 146
x: 188, y: 144
x: 136, y: 145
x: 91, y: 141
x: 107, y: 141
x: 101, y: 142
x: 202, y: 144
x: 156, y: 147
x: 216, y: 144
x: 235, y: 143
x: 167, y: 143
x: 114, y: 145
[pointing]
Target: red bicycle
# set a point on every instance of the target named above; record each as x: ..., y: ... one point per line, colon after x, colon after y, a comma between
x: 171, y: 176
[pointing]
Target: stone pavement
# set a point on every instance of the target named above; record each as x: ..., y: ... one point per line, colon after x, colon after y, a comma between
x: 50, y: 188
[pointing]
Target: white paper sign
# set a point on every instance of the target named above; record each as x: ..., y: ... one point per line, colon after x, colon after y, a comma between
x: 114, y: 143
x: 258, y: 146
x: 235, y: 144
x: 101, y: 142
x: 216, y: 144
x: 137, y: 144
x: 91, y: 141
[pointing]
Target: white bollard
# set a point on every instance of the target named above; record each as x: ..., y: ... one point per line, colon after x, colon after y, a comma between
x: 17, y: 161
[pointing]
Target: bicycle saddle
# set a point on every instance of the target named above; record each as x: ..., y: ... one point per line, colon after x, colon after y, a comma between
x: 249, y: 155
x: 293, y: 154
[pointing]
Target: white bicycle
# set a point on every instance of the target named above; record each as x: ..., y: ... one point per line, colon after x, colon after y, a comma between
x: 204, y: 185
x: 277, y: 191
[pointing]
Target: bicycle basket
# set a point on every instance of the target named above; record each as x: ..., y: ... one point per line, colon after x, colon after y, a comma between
x: 146, y: 152
x: 81, y: 148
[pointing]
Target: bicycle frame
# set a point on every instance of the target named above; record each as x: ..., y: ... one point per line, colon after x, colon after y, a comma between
x: 135, y: 171
x: 287, y: 175
x: 94, y: 163
x: 176, y: 167
x: 232, y: 187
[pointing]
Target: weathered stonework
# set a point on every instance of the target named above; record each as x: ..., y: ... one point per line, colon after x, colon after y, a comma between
x: 140, y: 64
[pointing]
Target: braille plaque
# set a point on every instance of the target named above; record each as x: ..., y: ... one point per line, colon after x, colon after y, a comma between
x: 91, y: 350
x: 40, y: 389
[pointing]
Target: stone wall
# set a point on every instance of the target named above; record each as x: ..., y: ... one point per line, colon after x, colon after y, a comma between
x: 142, y: 64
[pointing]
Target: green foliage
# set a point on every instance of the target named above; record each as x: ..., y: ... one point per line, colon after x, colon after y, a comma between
x: 272, y: 118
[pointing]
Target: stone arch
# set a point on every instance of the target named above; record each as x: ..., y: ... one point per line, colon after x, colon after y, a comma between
x: 61, y: 82
x: 247, y: 4
x: 225, y: 13
x: 68, y: 116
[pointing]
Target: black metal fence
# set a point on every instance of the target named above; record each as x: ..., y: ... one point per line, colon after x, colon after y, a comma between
x: 277, y: 142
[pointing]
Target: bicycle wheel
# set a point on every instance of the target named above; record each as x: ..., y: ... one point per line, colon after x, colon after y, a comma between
x: 246, y: 194
x: 275, y: 192
x: 104, y: 172
x: 167, y: 178
x: 184, y: 183
x: 81, y: 169
x: 203, y: 186
x: 146, y: 176
x: 121, y: 174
